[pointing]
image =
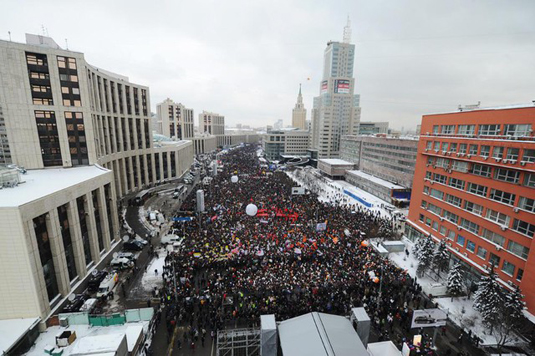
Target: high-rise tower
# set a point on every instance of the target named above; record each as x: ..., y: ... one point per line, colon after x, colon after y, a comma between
x: 299, y: 113
x: 336, y: 110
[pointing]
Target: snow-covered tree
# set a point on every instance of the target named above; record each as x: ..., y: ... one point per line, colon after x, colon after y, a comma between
x: 455, y: 281
x: 424, y: 255
x: 441, y: 258
x: 511, y: 317
x: 423, y: 246
x: 489, y: 300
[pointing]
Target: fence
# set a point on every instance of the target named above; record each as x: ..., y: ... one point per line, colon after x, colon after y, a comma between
x: 130, y: 315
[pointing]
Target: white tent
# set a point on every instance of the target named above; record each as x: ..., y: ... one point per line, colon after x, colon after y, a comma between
x: 319, y: 334
x: 268, y: 335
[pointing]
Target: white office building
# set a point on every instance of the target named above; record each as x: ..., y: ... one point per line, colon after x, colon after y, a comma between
x: 211, y: 123
x: 175, y: 120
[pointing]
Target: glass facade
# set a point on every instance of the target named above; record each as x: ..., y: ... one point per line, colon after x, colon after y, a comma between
x: 45, y: 254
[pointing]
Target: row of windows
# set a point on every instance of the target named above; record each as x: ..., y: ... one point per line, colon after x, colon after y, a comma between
x: 517, y: 130
x: 485, y: 151
x: 480, y: 251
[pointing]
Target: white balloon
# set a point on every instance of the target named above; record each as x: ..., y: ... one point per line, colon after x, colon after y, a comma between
x: 234, y: 179
x: 251, y: 209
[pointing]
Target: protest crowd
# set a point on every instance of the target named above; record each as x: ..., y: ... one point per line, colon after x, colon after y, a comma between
x: 296, y: 255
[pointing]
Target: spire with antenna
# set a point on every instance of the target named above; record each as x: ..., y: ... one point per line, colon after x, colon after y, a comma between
x: 299, y: 88
x: 347, y: 31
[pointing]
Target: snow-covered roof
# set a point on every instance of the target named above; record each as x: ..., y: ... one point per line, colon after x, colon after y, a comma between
x: 99, y: 344
x: 133, y: 333
x: 319, y: 334
x: 39, y: 183
x: 336, y: 161
x: 376, y: 180
x: 503, y: 107
x: 12, y: 330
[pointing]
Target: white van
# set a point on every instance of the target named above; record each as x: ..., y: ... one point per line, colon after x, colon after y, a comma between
x: 169, y: 239
x: 89, y: 305
x: 121, y: 263
x: 106, y: 286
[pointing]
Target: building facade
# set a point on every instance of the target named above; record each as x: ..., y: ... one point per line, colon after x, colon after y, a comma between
x: 84, y: 136
x: 280, y: 144
x: 211, y: 123
x: 474, y: 187
x: 372, y: 128
x: 388, y: 158
x: 336, y: 111
x: 299, y: 113
x: 176, y: 121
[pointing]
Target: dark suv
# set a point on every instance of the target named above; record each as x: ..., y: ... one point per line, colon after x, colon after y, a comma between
x: 95, y: 279
x: 75, y: 304
x: 133, y: 246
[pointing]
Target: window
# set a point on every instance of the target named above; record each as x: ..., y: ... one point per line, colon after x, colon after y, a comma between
x: 519, y: 274
x: 435, y: 129
x: 497, y: 217
x: 428, y: 175
x: 517, y: 130
x: 473, y: 150
x: 428, y: 221
x: 452, y: 199
x: 502, y: 197
x: 512, y: 153
x: 524, y: 227
x: 508, y: 268
x: 421, y: 218
x: 429, y: 145
x: 456, y: 183
x: 507, y: 175
x: 485, y: 151
x: 470, y: 246
x: 481, y: 253
x: 466, y: 129
x: 463, y: 147
x: 460, y: 166
x: 435, y: 226
x: 437, y: 194
x: 445, y: 146
x: 423, y: 204
x: 473, y: 208
x: 477, y: 189
x: 529, y: 155
x: 493, y: 237
x: 518, y: 249
x: 448, y: 129
x: 443, y: 230
x: 426, y: 190
x: 481, y: 170
x: 470, y: 226
x: 460, y: 240
x: 529, y: 180
x: 439, y: 178
x: 497, y: 152
x: 443, y: 163
x: 434, y: 209
x: 527, y: 204
x: 437, y: 146
x: 494, y: 260
x: 453, y: 147
x: 448, y: 215
x: 489, y: 130
x: 451, y: 235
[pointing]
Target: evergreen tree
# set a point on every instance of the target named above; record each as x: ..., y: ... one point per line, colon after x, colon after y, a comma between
x: 514, y: 306
x: 489, y: 300
x: 441, y: 258
x: 455, y: 281
x: 425, y: 255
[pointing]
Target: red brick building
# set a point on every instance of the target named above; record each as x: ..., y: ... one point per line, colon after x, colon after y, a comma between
x: 474, y: 186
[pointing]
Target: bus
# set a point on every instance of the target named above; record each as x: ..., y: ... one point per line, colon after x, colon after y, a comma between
x: 142, y: 197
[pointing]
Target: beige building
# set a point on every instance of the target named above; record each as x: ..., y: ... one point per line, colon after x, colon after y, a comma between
x: 211, y: 123
x: 285, y: 143
x: 84, y: 136
x: 299, y: 113
x: 336, y: 110
x: 175, y: 120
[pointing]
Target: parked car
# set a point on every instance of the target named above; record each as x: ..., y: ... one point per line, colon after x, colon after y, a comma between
x: 95, y: 279
x: 89, y: 305
x: 121, y: 263
x: 128, y: 255
x: 106, y: 286
x: 75, y: 305
x: 132, y: 246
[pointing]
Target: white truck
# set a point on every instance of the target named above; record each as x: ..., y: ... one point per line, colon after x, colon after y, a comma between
x: 106, y: 286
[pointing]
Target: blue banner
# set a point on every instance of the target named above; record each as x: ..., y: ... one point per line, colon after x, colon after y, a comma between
x: 183, y: 218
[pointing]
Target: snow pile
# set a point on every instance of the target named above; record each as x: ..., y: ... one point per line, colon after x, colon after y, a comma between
x: 150, y: 279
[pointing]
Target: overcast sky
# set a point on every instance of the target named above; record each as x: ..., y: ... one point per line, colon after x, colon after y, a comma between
x: 245, y: 59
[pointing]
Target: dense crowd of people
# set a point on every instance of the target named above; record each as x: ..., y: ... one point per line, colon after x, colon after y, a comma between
x: 296, y: 255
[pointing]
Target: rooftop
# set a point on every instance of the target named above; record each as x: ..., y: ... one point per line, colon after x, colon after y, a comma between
x: 504, y: 107
x: 12, y: 330
x: 336, y: 161
x: 376, y: 180
x: 39, y: 183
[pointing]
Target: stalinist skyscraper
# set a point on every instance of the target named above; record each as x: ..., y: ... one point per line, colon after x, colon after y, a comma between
x: 299, y: 113
x: 336, y: 110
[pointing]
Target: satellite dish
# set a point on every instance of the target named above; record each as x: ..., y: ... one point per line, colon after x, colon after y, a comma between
x: 115, y: 254
x: 126, y: 238
x: 95, y: 272
x: 70, y: 297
